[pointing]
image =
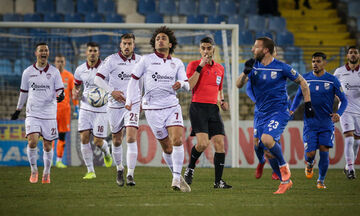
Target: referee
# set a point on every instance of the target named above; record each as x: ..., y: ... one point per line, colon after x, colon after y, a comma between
x: 206, y: 82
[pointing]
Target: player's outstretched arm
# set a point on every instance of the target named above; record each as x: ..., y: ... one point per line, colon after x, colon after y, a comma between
x: 249, y: 64
x: 296, y: 102
x: 309, y: 111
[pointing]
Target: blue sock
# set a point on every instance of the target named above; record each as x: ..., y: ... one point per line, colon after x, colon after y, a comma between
x: 275, y: 166
x: 260, y: 154
x: 309, y: 161
x: 276, y: 151
x: 323, y: 165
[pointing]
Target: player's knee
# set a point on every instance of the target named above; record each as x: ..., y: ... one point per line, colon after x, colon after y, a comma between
x: 267, y: 140
x: 130, y: 139
x: 269, y: 155
x: 176, y: 141
x: 47, y: 145
x: 202, y: 145
x: 310, y: 154
x: 32, y: 143
x: 98, y: 142
x: 168, y: 149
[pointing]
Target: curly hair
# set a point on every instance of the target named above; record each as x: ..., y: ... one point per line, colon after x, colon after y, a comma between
x: 169, y: 33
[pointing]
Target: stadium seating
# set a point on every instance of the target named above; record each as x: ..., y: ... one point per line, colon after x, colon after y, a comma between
x: 85, y: 6
x: 100, y: 38
x: 154, y: 18
x: 5, y: 67
x: 187, y: 7
x: 293, y: 54
x: 93, y: 17
x: 285, y: 38
x: 263, y: 34
x: 256, y: 23
x: 216, y: 19
x: 227, y: 8
x: 20, y: 65
x: 195, y: 19
x: 33, y: 18
x: 113, y: 18
x: 12, y: 17
x: 237, y: 19
x: 146, y: 6
x: 245, y: 37
x: 247, y: 7
x: 353, y: 9
x: 106, y: 6
x: 167, y: 7
x: 73, y: 17
x: 207, y: 7
x: 53, y: 17
x: 277, y: 24
x: 44, y: 6
x: 65, y: 6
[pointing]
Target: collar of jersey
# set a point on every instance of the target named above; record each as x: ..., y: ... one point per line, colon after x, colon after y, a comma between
x: 96, y: 65
x: 349, y: 69
x: 124, y: 58
x: 45, y: 69
x: 160, y: 55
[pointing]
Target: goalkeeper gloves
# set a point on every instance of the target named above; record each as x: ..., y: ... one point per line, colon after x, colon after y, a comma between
x: 15, y: 115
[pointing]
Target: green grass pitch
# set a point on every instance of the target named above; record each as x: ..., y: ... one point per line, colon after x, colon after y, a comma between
x: 69, y: 194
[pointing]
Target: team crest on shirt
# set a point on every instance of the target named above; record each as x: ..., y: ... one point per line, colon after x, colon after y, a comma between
x: 218, y: 80
x: 264, y: 76
x: 293, y: 71
x: 48, y: 75
x: 255, y: 73
x: 317, y: 88
x: 172, y: 65
x: 327, y: 86
x: 273, y: 74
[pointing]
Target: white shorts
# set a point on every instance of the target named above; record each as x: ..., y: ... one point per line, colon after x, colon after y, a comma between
x: 159, y: 120
x: 350, y: 122
x: 121, y: 117
x: 94, y: 121
x: 47, y: 128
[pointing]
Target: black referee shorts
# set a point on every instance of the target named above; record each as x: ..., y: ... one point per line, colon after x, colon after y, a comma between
x: 205, y: 118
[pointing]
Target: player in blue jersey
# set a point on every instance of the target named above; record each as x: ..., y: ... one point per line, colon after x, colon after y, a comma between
x: 259, y: 147
x: 319, y: 131
x: 268, y: 80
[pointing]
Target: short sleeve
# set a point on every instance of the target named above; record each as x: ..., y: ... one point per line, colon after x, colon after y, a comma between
x: 105, y: 68
x: 190, y: 70
x: 222, y: 78
x: 139, y: 68
x: 181, y: 74
x: 290, y: 72
x: 77, y: 78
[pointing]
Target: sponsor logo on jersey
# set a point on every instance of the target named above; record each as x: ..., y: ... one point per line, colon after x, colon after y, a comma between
x: 124, y: 76
x: 327, y: 86
x: 156, y: 63
x: 162, y: 78
x: 293, y: 71
x: 273, y: 74
x: 40, y: 87
x: 33, y: 75
x: 122, y: 63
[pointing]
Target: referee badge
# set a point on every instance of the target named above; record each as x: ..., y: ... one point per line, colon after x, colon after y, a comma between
x: 218, y: 80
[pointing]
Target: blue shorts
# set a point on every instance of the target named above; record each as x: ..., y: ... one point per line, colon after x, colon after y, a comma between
x: 313, y: 139
x: 273, y: 125
x: 256, y: 134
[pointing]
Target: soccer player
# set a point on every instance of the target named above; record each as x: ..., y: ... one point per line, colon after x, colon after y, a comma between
x: 163, y: 75
x: 41, y: 87
x: 63, y: 108
x: 92, y: 120
x: 268, y: 80
x: 319, y: 130
x: 117, y: 69
x: 349, y: 77
x: 206, y: 82
x: 260, y: 149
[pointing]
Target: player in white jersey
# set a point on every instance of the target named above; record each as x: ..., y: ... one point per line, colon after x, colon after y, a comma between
x: 41, y: 87
x: 349, y: 77
x: 117, y: 69
x: 162, y: 76
x: 91, y: 119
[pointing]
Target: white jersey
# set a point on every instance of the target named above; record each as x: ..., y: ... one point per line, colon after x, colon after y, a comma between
x: 117, y: 69
x: 159, y: 75
x: 350, y: 82
x: 85, y: 74
x: 41, y: 86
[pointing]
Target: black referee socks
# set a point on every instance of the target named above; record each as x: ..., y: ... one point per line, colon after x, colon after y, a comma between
x: 219, y: 161
x: 194, y: 156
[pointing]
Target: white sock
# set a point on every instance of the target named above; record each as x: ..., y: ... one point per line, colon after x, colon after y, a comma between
x: 168, y: 160
x: 178, y: 160
x: 87, y: 154
x: 105, y: 148
x: 32, y: 157
x: 349, y: 152
x: 58, y: 159
x: 131, y: 157
x: 117, y: 155
x: 47, y: 157
x: 356, y: 148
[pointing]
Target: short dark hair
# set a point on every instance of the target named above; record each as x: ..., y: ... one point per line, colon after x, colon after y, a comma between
x: 169, y: 33
x: 207, y: 40
x: 268, y: 43
x: 319, y: 54
x: 92, y: 44
x: 127, y: 36
x: 351, y: 47
x: 40, y: 44
x: 59, y: 55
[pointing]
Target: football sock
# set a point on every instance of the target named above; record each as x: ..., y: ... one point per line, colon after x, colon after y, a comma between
x: 309, y: 161
x: 87, y: 154
x: 323, y: 165
x: 349, y: 152
x: 356, y: 148
x: 32, y: 157
x: 47, y: 157
x: 60, y: 146
x: 105, y: 147
x: 117, y: 155
x: 194, y: 156
x: 260, y: 153
x: 131, y: 157
x: 178, y: 160
x: 275, y: 166
x: 168, y: 160
x: 219, y: 160
x: 276, y: 151
x: 58, y: 159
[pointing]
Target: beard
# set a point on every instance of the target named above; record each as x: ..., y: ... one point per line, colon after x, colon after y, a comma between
x: 355, y: 61
x: 259, y: 57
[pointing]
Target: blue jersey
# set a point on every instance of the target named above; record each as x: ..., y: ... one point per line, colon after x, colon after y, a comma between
x: 322, y: 90
x: 268, y: 85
